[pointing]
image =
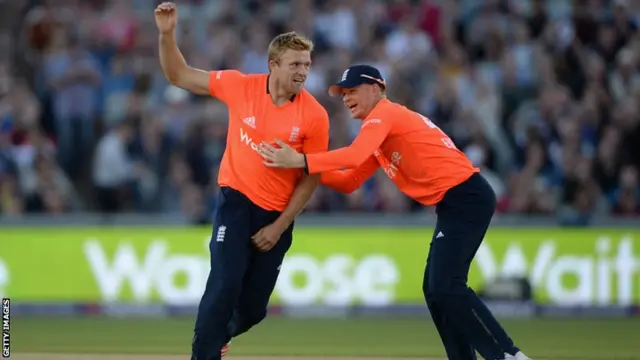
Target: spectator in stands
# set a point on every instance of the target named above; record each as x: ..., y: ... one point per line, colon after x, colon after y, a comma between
x: 625, y: 198
x: 46, y: 188
x: 10, y: 202
x: 113, y: 169
x: 625, y: 79
x: 73, y: 79
x: 542, y: 96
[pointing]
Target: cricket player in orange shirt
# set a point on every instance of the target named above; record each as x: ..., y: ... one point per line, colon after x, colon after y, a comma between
x: 256, y: 205
x: 426, y: 165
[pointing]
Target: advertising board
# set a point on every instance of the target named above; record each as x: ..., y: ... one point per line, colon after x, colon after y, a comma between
x: 327, y: 266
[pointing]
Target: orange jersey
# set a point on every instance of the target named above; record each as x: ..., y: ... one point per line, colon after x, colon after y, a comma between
x: 302, y: 123
x: 416, y: 155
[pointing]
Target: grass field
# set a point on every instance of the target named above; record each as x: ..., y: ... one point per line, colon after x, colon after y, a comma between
x: 302, y: 338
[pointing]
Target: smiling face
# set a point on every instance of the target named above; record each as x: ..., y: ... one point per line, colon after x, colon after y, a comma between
x: 291, y: 69
x: 290, y: 61
x: 360, y: 100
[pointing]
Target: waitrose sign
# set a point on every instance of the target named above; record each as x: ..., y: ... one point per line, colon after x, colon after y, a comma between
x: 600, y: 272
x: 324, y: 266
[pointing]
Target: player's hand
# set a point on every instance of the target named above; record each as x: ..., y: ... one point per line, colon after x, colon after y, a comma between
x: 166, y: 15
x: 283, y: 157
x: 267, y: 237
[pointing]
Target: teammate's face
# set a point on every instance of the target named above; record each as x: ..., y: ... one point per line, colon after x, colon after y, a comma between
x: 360, y: 100
x: 292, y: 69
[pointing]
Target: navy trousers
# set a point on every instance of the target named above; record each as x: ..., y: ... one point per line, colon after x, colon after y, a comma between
x: 241, y: 279
x: 463, y: 321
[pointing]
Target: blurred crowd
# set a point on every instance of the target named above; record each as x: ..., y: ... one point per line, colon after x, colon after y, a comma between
x: 543, y: 96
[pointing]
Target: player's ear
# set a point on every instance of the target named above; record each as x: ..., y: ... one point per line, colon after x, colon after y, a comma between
x: 272, y: 64
x: 378, y: 90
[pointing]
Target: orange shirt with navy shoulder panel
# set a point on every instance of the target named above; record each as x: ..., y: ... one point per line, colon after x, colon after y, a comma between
x: 414, y: 153
x: 253, y: 117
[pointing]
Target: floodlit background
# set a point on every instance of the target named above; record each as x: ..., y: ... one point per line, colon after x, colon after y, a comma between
x: 543, y: 96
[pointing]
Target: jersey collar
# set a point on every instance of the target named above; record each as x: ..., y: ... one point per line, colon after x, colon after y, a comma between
x: 293, y: 97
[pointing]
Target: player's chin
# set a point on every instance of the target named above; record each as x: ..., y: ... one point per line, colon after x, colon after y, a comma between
x: 356, y: 113
x: 297, y: 85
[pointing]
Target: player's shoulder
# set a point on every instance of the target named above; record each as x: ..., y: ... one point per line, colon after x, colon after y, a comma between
x: 311, y: 106
x: 256, y: 77
x: 232, y: 80
x: 388, y: 113
x: 254, y: 84
x: 259, y: 81
x: 227, y: 73
x: 385, y: 110
x: 394, y: 107
x: 239, y: 76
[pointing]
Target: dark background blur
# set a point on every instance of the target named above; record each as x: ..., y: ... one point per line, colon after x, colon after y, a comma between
x: 542, y: 95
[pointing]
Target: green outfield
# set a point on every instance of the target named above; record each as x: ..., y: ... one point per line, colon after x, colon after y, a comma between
x: 542, y: 339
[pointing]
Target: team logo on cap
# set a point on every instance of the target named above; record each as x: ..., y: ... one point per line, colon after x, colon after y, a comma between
x: 344, y: 75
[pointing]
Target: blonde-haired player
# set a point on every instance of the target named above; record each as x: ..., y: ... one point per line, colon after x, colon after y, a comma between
x: 256, y: 205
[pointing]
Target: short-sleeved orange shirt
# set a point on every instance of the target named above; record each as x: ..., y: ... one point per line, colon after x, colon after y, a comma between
x: 253, y: 117
x: 416, y: 155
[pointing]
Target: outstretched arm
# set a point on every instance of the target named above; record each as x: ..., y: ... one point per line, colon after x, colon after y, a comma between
x: 371, y: 136
x: 347, y: 181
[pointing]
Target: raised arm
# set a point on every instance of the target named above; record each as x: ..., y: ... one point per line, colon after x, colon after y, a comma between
x: 174, y: 66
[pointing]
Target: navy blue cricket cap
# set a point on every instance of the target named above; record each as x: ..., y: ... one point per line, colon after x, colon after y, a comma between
x: 357, y: 75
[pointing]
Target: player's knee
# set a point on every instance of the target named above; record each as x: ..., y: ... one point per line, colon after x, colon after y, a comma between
x: 222, y: 296
x: 433, y: 288
x: 252, y: 317
x: 437, y: 291
x: 432, y: 295
x: 425, y: 288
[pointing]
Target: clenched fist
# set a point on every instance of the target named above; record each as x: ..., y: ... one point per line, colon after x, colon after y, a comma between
x: 166, y: 15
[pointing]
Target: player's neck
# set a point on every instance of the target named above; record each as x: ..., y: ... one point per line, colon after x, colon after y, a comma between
x: 377, y: 101
x: 373, y: 106
x: 278, y: 95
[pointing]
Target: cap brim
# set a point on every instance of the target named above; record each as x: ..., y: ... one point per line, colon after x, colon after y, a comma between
x: 335, y: 90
